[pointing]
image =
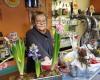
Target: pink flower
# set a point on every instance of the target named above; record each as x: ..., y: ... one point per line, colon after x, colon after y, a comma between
x: 59, y: 28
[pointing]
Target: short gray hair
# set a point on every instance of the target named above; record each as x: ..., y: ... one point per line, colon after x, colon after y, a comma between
x: 34, y: 14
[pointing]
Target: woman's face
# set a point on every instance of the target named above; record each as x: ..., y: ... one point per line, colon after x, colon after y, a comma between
x: 40, y: 23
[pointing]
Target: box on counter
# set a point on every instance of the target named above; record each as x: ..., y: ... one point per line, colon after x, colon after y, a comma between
x: 8, y: 67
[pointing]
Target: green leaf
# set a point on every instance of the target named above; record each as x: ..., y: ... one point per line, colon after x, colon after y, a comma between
x: 37, y: 65
x: 18, y: 52
x: 56, y: 50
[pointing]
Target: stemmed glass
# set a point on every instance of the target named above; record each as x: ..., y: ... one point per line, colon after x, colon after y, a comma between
x: 86, y: 73
x: 65, y: 70
x: 74, y: 72
x: 63, y: 66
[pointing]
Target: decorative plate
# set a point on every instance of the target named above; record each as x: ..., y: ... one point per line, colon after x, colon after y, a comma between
x: 12, y: 3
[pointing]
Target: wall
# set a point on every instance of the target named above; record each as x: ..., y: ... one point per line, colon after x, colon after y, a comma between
x: 83, y: 4
x: 14, y: 19
x: 96, y: 4
x: 17, y: 19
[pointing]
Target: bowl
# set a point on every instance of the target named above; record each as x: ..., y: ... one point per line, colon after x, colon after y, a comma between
x: 46, y: 67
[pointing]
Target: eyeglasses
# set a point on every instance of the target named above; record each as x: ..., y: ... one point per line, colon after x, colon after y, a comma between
x: 41, y: 21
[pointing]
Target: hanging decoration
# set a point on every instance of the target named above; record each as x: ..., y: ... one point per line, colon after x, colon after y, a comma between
x: 12, y: 3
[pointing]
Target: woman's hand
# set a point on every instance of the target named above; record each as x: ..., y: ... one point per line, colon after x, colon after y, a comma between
x: 46, y: 58
x: 46, y: 61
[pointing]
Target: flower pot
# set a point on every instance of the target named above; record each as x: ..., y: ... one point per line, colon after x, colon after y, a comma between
x: 46, y: 67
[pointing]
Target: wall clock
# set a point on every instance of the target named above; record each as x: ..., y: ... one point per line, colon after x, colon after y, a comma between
x: 12, y: 3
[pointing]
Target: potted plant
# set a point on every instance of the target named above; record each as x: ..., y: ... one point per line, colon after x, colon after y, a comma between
x: 33, y: 52
x: 58, y: 31
x: 42, y: 71
x: 18, y: 53
x: 54, y: 72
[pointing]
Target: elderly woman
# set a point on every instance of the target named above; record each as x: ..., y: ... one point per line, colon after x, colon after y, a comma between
x: 40, y: 36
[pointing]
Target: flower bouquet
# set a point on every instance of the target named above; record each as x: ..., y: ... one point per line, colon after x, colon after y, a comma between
x: 82, y: 57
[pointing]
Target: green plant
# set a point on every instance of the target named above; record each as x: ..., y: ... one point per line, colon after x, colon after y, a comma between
x: 58, y: 31
x: 18, y: 52
x: 37, y: 65
x: 33, y: 52
x: 56, y: 50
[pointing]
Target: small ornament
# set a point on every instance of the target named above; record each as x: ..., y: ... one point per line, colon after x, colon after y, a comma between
x: 92, y: 9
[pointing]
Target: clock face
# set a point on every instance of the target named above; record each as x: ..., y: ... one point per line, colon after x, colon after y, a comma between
x: 12, y: 3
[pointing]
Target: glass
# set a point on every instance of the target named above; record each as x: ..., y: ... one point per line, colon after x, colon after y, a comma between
x: 64, y: 66
x: 74, y: 72
x: 86, y: 74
